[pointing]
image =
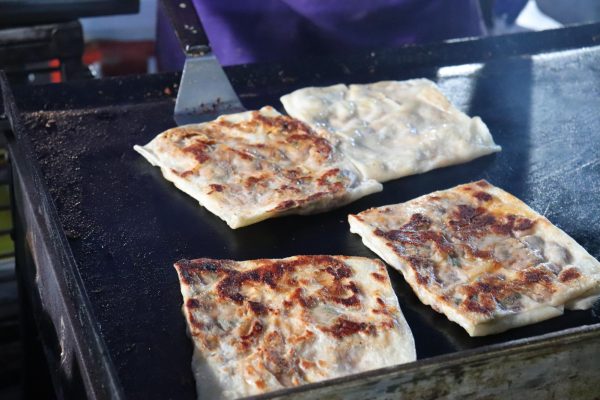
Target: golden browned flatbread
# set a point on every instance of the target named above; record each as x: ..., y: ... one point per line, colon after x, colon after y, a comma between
x: 267, y: 324
x: 255, y: 165
x: 482, y: 257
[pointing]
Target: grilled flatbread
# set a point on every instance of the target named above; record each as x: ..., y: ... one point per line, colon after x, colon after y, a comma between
x: 267, y: 324
x: 393, y: 129
x: 482, y: 257
x: 255, y: 165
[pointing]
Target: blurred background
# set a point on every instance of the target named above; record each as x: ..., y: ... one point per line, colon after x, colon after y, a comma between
x: 137, y: 38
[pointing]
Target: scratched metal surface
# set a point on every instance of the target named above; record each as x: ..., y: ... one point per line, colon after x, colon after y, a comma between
x: 126, y: 225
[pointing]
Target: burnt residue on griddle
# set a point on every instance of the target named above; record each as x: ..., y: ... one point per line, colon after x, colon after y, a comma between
x: 50, y: 146
x: 95, y: 179
x: 72, y: 146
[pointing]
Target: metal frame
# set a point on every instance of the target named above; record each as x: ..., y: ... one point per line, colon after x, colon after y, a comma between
x: 526, y: 367
x: 27, y: 12
x: 45, y: 267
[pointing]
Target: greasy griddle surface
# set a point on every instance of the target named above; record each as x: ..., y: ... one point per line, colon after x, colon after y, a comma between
x: 127, y: 225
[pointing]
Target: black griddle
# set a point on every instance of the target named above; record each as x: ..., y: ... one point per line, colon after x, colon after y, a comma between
x: 115, y: 226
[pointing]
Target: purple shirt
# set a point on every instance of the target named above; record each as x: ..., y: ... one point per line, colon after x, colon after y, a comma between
x: 248, y: 31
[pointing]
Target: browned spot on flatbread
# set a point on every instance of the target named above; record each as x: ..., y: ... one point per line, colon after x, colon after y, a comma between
x: 471, y: 222
x: 383, y: 309
x: 358, y: 217
x: 378, y: 277
x: 305, y: 301
x: 417, y: 222
x: 344, y: 327
x: 224, y: 123
x: 260, y: 384
x: 272, y: 273
x: 338, y: 291
x: 535, y: 275
x: 416, y: 233
x: 215, y: 188
x: 314, y: 196
x: 482, y: 305
x: 258, y: 308
x: 192, y: 303
x: 252, y: 181
x: 328, y: 176
x: 424, y: 268
x: 523, y: 224
x: 495, y: 291
x: 319, y: 144
x: 481, y: 295
x: 344, y: 294
x: 182, y: 133
x: 293, y: 189
x: 200, y: 149
x: 482, y: 196
x: 536, y: 282
x: 299, y: 340
x: 195, y: 324
x: 484, y: 295
x: 569, y: 274
x: 191, y: 269
x: 293, y: 174
x: 274, y: 357
x: 307, y: 364
x: 187, y: 173
x: 256, y: 330
x: 476, y: 252
x: 281, y: 123
x: 339, y: 271
x: 284, y: 205
x: 242, y: 154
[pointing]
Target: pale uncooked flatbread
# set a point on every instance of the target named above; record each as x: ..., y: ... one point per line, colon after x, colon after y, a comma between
x: 255, y: 165
x: 393, y: 129
x: 268, y: 324
x: 482, y: 257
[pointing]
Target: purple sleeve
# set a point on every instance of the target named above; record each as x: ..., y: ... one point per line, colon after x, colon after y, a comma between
x: 265, y: 30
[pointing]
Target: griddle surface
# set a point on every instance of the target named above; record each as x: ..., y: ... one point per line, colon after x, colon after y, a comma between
x: 127, y: 225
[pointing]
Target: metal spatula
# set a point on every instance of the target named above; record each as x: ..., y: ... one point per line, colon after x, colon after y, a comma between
x: 204, y: 91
